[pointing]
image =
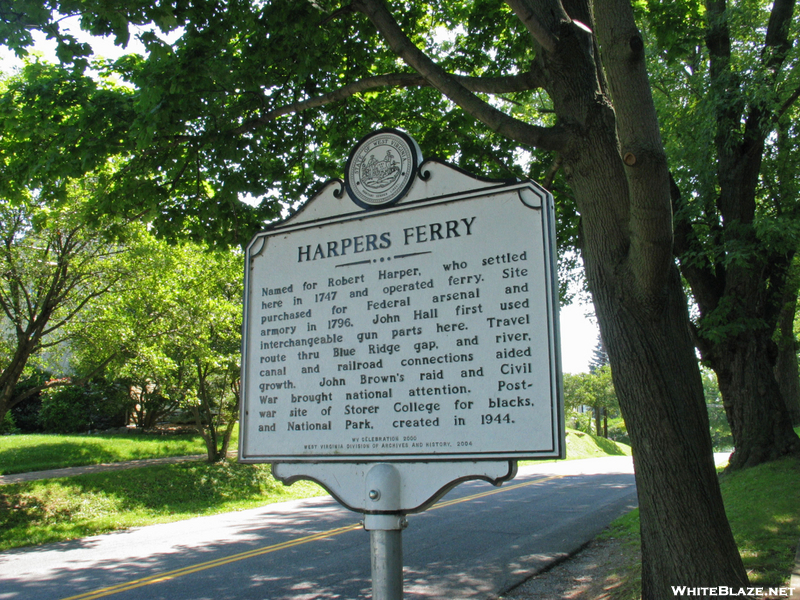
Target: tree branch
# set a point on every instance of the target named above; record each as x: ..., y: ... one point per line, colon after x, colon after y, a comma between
x: 725, y: 83
x: 554, y: 138
x: 538, y: 31
x: 486, y: 85
x: 778, y: 33
x: 788, y: 103
x: 707, y: 285
x: 776, y: 47
x: 641, y: 146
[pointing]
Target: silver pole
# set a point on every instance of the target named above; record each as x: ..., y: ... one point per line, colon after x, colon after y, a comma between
x: 383, y: 492
x: 386, y: 549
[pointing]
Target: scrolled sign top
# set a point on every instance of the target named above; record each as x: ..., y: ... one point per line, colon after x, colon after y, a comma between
x: 381, y: 168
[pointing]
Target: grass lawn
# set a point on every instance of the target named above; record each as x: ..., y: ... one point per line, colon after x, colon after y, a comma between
x: 763, y: 506
x: 53, y: 510
x: 585, y: 445
x: 39, y: 452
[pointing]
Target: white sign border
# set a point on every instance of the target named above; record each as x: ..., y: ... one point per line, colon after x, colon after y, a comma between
x: 530, y: 194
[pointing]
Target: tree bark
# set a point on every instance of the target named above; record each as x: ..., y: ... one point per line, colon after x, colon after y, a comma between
x: 755, y: 408
x: 598, y: 420
x: 667, y: 422
x: 786, y: 371
x: 645, y: 326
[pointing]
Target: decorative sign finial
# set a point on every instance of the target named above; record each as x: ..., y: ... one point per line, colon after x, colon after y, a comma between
x: 382, y: 168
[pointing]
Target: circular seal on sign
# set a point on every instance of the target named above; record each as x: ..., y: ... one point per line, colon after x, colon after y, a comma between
x: 381, y: 168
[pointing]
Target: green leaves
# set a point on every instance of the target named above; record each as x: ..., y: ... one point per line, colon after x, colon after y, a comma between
x: 677, y: 25
x: 55, y: 127
x: 188, y: 124
x: 726, y: 112
x: 177, y: 321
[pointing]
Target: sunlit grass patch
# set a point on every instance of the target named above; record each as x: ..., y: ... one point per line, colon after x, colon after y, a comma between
x: 586, y: 445
x: 763, y: 507
x: 38, y: 452
x: 72, y: 507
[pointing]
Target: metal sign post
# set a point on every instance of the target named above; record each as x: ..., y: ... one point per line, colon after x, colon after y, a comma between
x: 385, y: 533
x: 400, y: 337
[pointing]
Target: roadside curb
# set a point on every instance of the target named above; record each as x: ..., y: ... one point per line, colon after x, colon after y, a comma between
x: 83, y: 470
x: 794, y: 582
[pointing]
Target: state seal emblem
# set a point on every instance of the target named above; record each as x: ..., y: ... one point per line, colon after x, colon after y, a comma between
x: 381, y: 168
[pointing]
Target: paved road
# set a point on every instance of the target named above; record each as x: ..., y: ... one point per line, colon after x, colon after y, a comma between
x: 476, y: 542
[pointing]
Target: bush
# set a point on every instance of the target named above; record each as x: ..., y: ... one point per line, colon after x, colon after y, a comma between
x: 76, y: 408
x: 8, y: 426
x: 617, y: 431
x: 26, y: 413
x: 582, y: 421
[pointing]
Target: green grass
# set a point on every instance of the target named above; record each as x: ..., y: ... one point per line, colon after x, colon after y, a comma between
x: 39, y: 452
x: 54, y: 510
x: 587, y: 445
x: 763, y: 507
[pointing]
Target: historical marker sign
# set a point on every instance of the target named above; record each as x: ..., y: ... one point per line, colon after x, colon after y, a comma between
x: 422, y: 328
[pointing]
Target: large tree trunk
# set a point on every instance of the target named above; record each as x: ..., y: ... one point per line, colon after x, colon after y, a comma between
x: 621, y: 184
x: 740, y: 294
x: 644, y: 322
x: 760, y: 422
x: 740, y: 307
x: 668, y: 424
x: 11, y: 374
x: 786, y: 371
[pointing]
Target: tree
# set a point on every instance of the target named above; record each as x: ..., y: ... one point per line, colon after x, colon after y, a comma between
x: 727, y: 92
x: 602, y: 387
x: 257, y: 97
x: 599, y: 356
x: 211, y: 322
x: 786, y: 367
x: 174, y: 330
x: 53, y: 269
x: 718, y: 422
x: 595, y: 390
x: 134, y: 326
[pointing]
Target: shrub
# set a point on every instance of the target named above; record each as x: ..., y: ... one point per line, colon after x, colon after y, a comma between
x: 8, y: 426
x: 26, y: 413
x: 78, y: 408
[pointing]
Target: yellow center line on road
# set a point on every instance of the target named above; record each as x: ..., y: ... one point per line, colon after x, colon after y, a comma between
x: 123, y: 587
x: 494, y: 491
x: 169, y: 575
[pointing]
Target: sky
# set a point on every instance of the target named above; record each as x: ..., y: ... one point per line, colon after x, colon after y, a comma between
x: 579, y: 335
x: 579, y: 330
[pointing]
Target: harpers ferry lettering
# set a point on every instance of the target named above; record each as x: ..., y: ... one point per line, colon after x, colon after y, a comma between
x: 438, y: 231
x: 354, y: 245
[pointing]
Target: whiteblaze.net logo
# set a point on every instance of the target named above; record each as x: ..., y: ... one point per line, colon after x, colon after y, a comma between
x: 753, y: 592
